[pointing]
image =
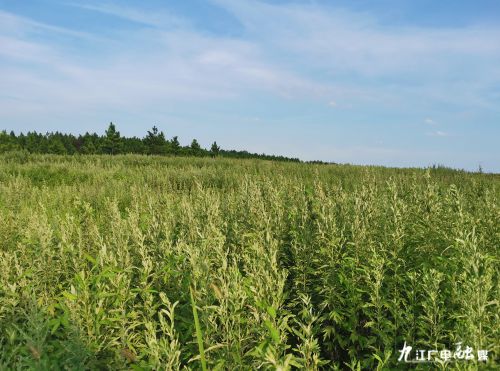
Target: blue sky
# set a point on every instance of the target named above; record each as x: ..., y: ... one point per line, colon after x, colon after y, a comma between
x: 388, y: 82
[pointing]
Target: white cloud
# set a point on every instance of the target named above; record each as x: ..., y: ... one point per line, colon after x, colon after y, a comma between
x: 429, y: 121
x: 438, y: 133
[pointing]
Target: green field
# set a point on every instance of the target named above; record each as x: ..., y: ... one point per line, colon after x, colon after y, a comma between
x: 105, y: 261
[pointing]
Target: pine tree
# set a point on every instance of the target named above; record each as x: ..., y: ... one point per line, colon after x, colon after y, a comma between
x: 175, y: 145
x: 8, y: 142
x: 214, y: 149
x: 155, y: 142
x: 56, y: 146
x: 112, y: 142
x: 195, y: 148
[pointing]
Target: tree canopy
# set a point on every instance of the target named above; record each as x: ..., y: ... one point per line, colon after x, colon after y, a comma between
x: 113, y: 143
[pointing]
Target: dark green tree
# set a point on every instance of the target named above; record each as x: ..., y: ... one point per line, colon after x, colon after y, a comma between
x: 175, y: 146
x: 155, y: 142
x: 195, y: 148
x: 112, y: 142
x: 133, y: 145
x: 30, y: 142
x: 56, y: 145
x: 88, y: 146
x: 195, y: 145
x: 214, y: 149
x: 8, y: 142
x: 69, y: 142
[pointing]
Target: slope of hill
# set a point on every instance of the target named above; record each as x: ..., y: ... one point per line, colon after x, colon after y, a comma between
x: 105, y: 259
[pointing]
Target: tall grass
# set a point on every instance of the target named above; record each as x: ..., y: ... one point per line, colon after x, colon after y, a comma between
x: 173, y: 263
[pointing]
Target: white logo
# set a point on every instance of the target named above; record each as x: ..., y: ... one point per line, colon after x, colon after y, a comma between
x: 409, y: 355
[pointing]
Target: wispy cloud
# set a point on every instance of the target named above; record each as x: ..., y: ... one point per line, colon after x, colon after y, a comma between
x: 169, y: 58
x: 410, y: 61
x: 159, y: 19
x: 358, y: 41
x: 12, y: 24
x: 144, y: 67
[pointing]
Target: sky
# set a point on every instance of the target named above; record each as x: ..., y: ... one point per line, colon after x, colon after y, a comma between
x: 388, y: 82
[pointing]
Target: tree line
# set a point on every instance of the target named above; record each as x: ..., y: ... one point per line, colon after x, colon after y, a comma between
x: 112, y: 143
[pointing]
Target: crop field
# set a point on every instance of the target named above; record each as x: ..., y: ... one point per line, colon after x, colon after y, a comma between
x: 148, y: 263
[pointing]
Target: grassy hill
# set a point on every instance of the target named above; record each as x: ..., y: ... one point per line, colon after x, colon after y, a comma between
x: 104, y: 260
